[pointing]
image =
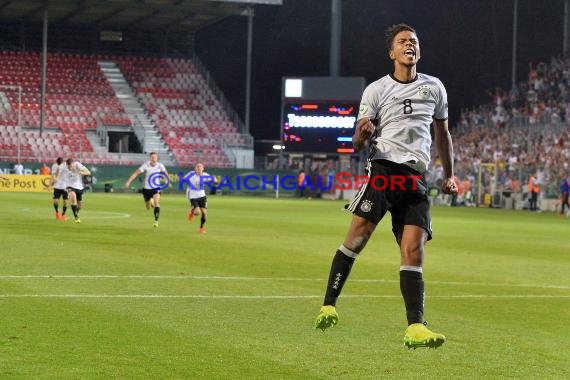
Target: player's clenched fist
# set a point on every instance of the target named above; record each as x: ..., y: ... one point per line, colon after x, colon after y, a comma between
x: 449, y: 186
x: 362, y: 133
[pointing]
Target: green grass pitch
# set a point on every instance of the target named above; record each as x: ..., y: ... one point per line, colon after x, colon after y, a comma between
x: 114, y: 298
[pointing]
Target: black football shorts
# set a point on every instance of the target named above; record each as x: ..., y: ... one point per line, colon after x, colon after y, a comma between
x: 396, y: 188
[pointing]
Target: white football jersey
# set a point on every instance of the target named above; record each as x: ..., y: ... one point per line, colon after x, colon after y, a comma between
x: 149, y: 170
x: 72, y: 176
x: 403, y: 112
x: 57, y: 170
x: 199, y: 184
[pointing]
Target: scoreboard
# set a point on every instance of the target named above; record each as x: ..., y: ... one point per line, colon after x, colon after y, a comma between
x: 319, y: 127
x: 318, y: 114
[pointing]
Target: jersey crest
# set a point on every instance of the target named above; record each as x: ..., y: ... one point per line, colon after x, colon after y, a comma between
x: 424, y: 92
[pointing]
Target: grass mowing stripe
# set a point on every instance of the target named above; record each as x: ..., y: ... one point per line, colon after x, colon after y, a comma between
x: 479, y: 296
x: 497, y: 285
x: 235, y: 278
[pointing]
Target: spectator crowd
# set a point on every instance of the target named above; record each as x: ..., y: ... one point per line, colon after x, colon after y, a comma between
x: 524, y: 132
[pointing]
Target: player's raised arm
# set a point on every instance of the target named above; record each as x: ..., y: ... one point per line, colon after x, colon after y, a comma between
x: 445, y: 150
x: 132, y: 177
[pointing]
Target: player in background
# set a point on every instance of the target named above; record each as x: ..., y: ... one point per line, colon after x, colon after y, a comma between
x: 197, y: 195
x: 151, y: 194
x: 394, y: 120
x: 57, y: 182
x: 73, y: 172
x: 564, y: 194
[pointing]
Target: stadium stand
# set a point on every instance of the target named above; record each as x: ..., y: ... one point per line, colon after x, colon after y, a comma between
x: 522, y: 131
x: 79, y: 98
x: 191, y: 120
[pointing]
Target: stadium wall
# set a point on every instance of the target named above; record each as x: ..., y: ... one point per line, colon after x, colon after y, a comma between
x: 113, y: 178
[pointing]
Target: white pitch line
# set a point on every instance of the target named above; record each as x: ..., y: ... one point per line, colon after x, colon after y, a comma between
x: 245, y: 278
x: 257, y: 297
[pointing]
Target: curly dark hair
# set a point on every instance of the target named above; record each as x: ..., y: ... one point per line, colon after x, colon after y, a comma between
x: 391, y: 32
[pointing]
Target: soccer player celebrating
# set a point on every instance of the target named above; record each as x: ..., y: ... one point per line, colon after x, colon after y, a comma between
x: 74, y: 172
x: 394, y: 121
x: 59, y: 188
x: 197, y: 195
x: 151, y: 193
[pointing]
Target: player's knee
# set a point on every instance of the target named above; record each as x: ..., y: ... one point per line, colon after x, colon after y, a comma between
x: 357, y: 243
x: 359, y: 234
x: 412, y: 254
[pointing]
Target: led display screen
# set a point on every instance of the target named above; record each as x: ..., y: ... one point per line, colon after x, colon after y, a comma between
x: 319, y: 127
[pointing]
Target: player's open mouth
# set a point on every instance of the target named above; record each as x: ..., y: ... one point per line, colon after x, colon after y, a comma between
x: 410, y: 53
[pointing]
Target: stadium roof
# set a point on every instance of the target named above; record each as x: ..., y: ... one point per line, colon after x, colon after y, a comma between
x: 175, y: 15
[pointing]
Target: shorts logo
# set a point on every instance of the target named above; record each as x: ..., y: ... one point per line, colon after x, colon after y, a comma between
x: 424, y: 92
x: 363, y: 108
x: 366, y: 206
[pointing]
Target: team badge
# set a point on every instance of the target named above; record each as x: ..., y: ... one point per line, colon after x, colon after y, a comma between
x: 363, y: 108
x: 424, y: 92
x: 366, y: 206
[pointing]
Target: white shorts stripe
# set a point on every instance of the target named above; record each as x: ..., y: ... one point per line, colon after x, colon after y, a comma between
x: 352, y: 206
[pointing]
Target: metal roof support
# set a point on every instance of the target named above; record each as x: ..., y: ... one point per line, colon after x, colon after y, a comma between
x: 248, y: 68
x: 44, y: 71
